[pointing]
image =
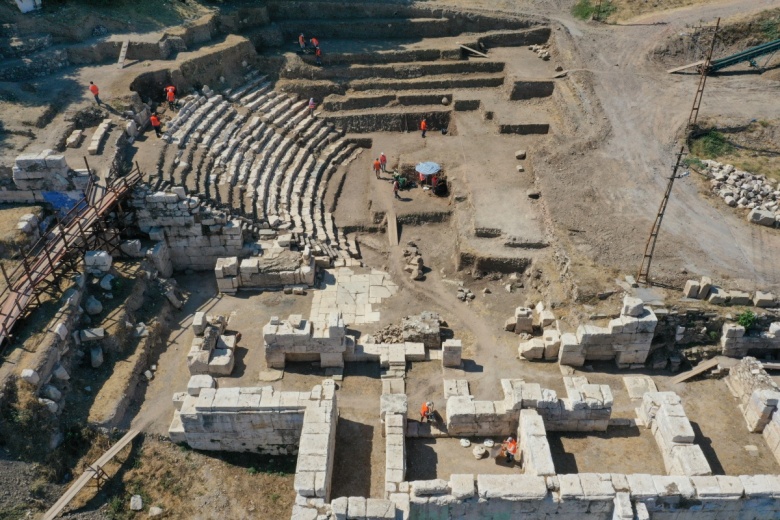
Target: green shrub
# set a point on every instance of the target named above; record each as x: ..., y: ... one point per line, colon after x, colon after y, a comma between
x: 747, y: 319
x: 586, y: 9
x: 712, y: 144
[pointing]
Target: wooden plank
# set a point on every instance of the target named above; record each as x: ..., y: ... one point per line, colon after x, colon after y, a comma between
x: 688, y: 66
x: 85, y: 477
x: 123, y: 54
x: 392, y: 228
x: 472, y: 50
x: 699, y: 369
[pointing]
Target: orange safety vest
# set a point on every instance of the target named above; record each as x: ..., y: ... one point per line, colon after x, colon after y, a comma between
x: 424, y: 410
x: 301, y: 40
x: 93, y: 88
x: 171, y: 93
x: 155, y: 122
x: 377, y: 166
x: 318, y: 53
x: 315, y: 42
x: 423, y: 125
x: 511, y: 447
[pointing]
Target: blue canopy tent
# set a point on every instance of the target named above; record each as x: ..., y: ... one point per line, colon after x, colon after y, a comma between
x: 427, y: 168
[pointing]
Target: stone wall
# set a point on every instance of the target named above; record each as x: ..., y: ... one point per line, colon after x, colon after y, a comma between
x: 735, y: 343
x: 757, y: 393
x: 663, y: 414
x: 588, y: 407
x: 276, y: 266
x: 535, y: 453
x: 626, y: 339
x: 256, y: 419
x: 197, y: 234
x: 297, y: 339
x: 594, y: 496
x: 47, y: 171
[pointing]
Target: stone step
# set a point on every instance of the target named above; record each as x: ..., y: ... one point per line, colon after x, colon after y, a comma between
x: 293, y: 111
x: 246, y: 88
x: 255, y: 94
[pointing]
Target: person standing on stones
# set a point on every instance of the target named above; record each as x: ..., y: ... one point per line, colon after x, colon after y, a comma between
x: 94, y: 89
x: 424, y: 126
x: 383, y: 162
x: 396, y: 187
x: 312, y: 106
x: 155, y: 121
x: 377, y: 167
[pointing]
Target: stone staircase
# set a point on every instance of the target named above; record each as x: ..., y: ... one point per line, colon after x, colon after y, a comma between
x: 259, y: 154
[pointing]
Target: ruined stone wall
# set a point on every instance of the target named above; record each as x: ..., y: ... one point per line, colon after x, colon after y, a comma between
x: 594, y: 496
x: 297, y: 339
x: 197, y: 235
x: 663, y: 414
x: 735, y: 342
x: 588, y: 407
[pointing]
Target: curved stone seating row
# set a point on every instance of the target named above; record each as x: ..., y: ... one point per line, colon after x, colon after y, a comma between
x: 269, y: 159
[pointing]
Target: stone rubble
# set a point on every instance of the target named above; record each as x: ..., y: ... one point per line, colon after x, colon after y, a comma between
x: 705, y: 290
x: 744, y: 190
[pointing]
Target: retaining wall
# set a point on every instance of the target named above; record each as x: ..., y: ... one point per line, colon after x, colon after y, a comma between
x: 389, y: 122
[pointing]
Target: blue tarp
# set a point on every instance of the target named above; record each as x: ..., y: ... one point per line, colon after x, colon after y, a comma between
x: 428, y: 168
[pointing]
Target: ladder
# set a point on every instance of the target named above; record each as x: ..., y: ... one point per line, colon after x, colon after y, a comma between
x: 123, y: 54
x: 643, y: 276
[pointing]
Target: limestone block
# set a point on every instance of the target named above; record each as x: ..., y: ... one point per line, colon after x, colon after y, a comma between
x: 97, y: 261
x: 222, y: 361
x: 424, y: 488
x: 88, y: 335
x: 392, y: 403
x: 546, y: 318
x: 462, y: 486
x: 509, y: 325
x: 230, y: 266
x: 96, y: 356
x: 512, y: 487
x: 717, y: 296
x: 414, y: 351
x: 356, y: 508
x: 552, y: 343
x: 30, y: 376
x: 532, y: 349
x: 524, y: 321
x: 739, y: 298
x: 198, y: 362
x: 632, y: 306
x: 60, y: 373
x: 691, y: 289
x: 732, y: 330
x: 571, y: 353
x: 199, y: 323
x: 520, y: 154
x: 764, y: 299
x: 331, y: 360
x: 198, y: 382
x: 452, y: 351
x: 378, y: 509
x: 689, y: 460
x: 761, y: 217
x: 704, y: 287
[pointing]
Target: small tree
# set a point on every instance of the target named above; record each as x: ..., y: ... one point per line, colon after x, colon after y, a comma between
x: 747, y: 319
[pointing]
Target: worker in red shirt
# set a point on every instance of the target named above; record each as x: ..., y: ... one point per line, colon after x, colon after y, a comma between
x: 426, y: 412
x: 383, y: 161
x: 170, y: 96
x: 510, y: 448
x: 312, y: 106
x: 155, y: 121
x: 424, y: 126
x: 94, y: 89
x: 302, y: 42
x: 377, y: 167
x: 315, y: 43
x: 318, y: 56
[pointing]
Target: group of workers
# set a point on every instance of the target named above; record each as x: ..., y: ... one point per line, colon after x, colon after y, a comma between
x: 315, y: 43
x: 154, y: 119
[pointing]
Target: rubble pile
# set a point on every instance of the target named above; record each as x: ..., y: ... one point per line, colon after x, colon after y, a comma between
x: 543, y: 51
x: 414, y: 262
x: 744, y: 190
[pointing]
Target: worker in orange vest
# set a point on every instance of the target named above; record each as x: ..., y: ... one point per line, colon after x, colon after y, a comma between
x: 94, y: 89
x: 377, y: 167
x: 315, y: 43
x: 383, y: 161
x: 510, y: 448
x: 318, y: 56
x: 155, y: 121
x: 170, y: 95
x: 426, y: 412
x: 302, y: 42
x: 424, y: 126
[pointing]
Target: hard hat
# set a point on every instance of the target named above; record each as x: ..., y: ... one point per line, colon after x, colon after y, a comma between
x: 430, y: 404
